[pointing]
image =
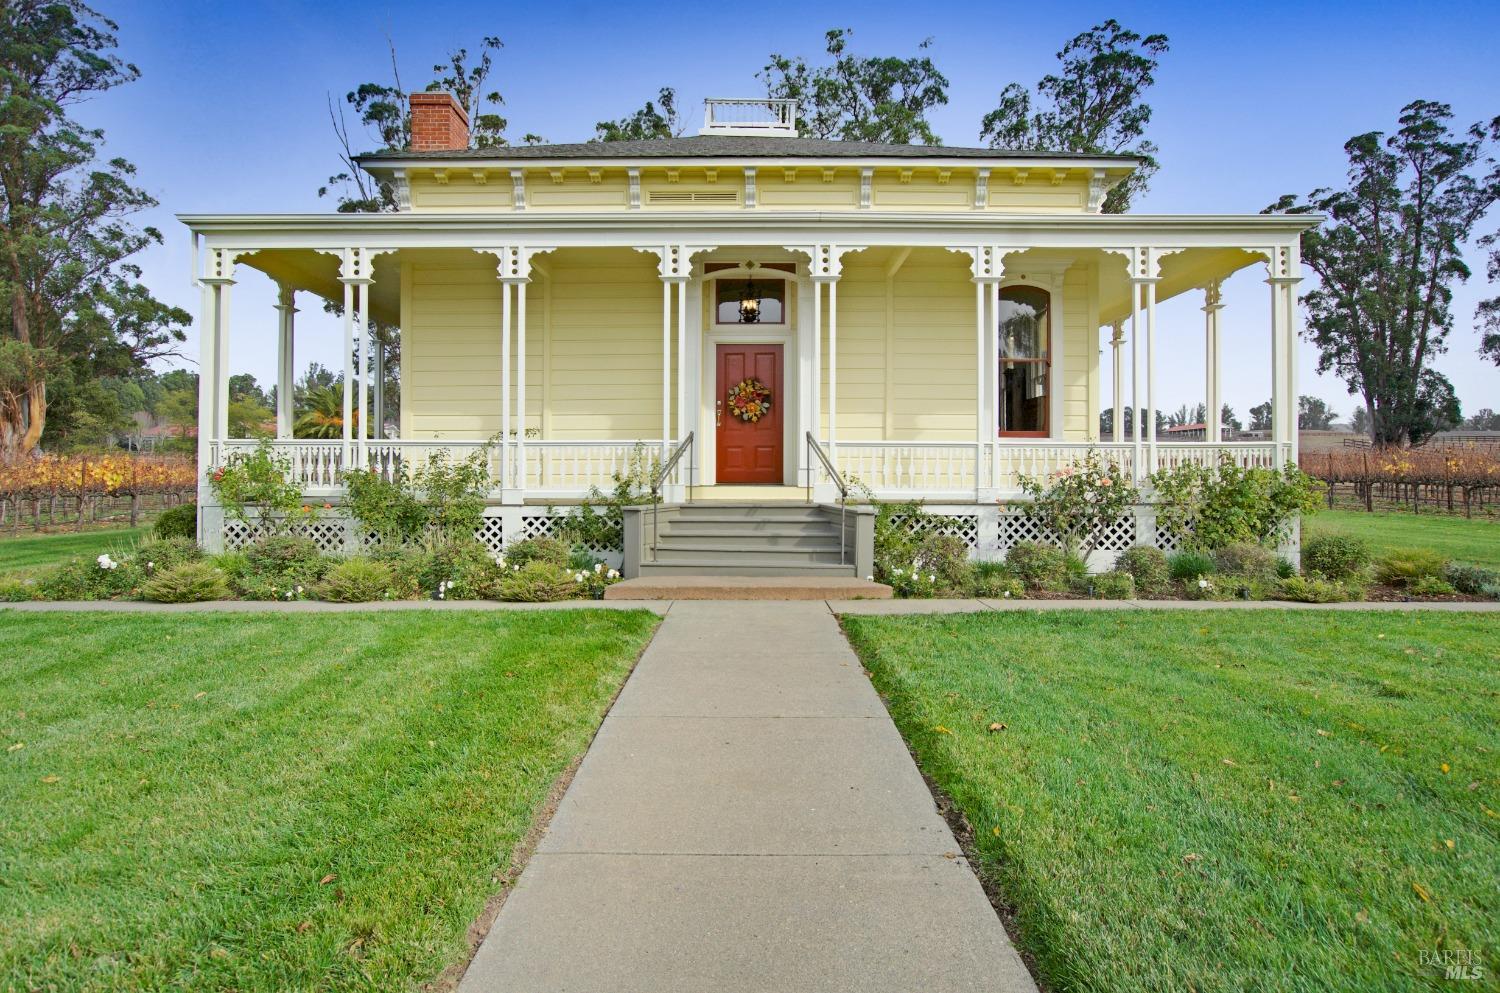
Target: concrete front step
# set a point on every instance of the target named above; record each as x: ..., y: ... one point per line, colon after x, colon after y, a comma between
x: 724, y: 566
x: 700, y: 587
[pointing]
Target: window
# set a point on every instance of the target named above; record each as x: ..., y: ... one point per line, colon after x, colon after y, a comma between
x: 730, y: 294
x: 1025, y: 358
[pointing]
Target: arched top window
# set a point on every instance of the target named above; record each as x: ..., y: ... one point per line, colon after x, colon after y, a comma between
x: 1025, y: 357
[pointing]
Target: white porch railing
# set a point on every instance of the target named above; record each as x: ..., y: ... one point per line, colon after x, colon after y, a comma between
x: 543, y: 468
x: 569, y: 469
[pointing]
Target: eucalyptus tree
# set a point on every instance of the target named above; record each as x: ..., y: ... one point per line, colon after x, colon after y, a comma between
x: 1096, y: 105
x: 860, y: 97
x: 71, y: 303
x: 656, y: 119
x: 1387, y: 260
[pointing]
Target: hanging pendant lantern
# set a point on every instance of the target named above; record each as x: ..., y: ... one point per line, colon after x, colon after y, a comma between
x: 749, y: 300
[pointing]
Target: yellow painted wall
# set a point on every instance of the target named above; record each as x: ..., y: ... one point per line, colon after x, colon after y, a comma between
x: 450, y: 348
x: 460, y: 193
x: 604, y: 353
x: 906, y: 361
x: 924, y: 189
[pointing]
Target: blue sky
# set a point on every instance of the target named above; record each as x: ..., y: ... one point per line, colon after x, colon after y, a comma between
x: 1253, y: 100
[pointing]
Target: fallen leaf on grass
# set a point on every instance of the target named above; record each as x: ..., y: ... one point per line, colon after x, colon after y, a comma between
x: 1229, y: 762
x: 997, y: 726
x: 1448, y: 842
x: 942, y: 730
x: 219, y: 953
x: 1444, y: 767
x: 1192, y: 857
x: 304, y: 927
x: 1421, y: 891
x: 1322, y: 733
x: 51, y: 779
x: 995, y: 831
x: 1363, y: 917
x: 328, y: 879
x: 16, y: 747
x: 200, y: 695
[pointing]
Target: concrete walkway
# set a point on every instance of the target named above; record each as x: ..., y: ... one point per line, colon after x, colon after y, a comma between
x: 748, y: 819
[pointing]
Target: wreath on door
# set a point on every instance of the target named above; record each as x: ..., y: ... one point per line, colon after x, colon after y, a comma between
x: 750, y: 400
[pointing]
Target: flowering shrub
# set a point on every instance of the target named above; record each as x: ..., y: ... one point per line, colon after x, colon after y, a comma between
x: 594, y: 581
x: 440, y: 495
x: 913, y: 584
x: 101, y: 578
x: 253, y: 488
x: 1040, y: 567
x: 538, y: 582
x: 1080, y: 501
x: 1208, y: 507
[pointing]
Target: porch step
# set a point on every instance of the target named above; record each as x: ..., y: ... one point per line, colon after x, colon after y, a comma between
x: 733, y: 566
x: 735, y: 541
x: 700, y: 587
x: 749, y: 511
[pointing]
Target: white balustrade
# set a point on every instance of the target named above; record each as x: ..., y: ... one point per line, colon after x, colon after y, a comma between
x: 545, y: 468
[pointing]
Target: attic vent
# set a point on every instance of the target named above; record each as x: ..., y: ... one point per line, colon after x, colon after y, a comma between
x: 688, y: 196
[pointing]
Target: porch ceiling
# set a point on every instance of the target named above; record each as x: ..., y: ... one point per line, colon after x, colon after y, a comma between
x: 318, y: 273
x: 1181, y: 272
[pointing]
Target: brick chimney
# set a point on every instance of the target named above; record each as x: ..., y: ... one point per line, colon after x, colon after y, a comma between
x: 438, y: 123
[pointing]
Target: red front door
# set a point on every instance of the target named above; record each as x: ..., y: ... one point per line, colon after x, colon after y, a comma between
x: 749, y: 451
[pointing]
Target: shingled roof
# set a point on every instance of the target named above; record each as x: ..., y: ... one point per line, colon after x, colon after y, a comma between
x: 737, y: 147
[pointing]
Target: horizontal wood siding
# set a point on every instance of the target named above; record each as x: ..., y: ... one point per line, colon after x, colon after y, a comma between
x: 450, y: 350
x: 1081, y: 355
x: 934, y: 369
x: 606, y: 345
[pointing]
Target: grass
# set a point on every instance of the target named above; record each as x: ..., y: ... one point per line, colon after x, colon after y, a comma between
x: 1217, y: 801
x: 1474, y: 541
x: 277, y: 802
x: 37, y: 552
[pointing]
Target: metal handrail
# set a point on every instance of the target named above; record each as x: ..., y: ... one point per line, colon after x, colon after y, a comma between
x: 814, y: 448
x: 661, y: 477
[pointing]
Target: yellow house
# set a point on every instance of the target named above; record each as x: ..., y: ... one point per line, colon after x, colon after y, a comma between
x: 768, y: 316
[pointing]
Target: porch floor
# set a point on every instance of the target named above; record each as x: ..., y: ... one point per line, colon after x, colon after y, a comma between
x: 728, y: 493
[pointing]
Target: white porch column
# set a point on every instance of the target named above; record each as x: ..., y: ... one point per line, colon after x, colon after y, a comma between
x: 519, y: 466
x: 362, y: 294
x: 1135, y: 381
x: 213, y: 378
x: 1283, y: 267
x: 1212, y: 304
x: 505, y: 451
x: 666, y: 370
x: 377, y: 416
x: 285, y: 362
x: 1116, y: 341
x: 981, y: 366
x: 348, y: 412
x: 1150, y: 418
x: 684, y: 366
x: 833, y: 369
x: 817, y: 360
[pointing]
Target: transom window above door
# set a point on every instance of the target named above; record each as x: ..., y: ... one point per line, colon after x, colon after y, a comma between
x: 1025, y: 358
x: 749, y: 301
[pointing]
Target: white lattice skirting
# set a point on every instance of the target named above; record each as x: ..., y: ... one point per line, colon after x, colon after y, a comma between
x: 336, y: 533
x: 990, y: 531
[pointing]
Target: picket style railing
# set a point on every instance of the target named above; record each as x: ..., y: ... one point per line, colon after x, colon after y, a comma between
x: 897, y: 469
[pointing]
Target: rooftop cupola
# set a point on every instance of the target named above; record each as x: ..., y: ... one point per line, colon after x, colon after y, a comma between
x: 756, y: 116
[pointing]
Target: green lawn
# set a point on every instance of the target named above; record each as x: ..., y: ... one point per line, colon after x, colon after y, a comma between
x: 1474, y: 541
x: 277, y: 802
x: 1217, y: 801
x: 35, y: 552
